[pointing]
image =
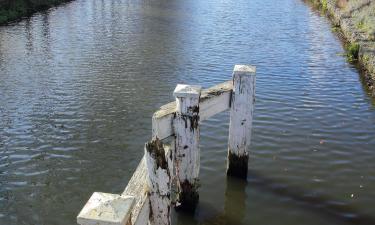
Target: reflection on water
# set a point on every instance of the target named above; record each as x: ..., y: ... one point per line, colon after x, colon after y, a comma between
x: 79, y: 83
x: 330, y: 209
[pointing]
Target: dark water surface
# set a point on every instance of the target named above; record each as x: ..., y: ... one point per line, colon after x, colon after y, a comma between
x: 79, y: 83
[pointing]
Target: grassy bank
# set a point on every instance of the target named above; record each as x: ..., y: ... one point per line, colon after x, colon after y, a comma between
x: 356, y: 20
x: 14, y: 9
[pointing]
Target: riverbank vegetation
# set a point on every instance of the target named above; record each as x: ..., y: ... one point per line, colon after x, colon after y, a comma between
x: 363, y: 14
x: 356, y: 20
x: 352, y: 51
x: 14, y: 9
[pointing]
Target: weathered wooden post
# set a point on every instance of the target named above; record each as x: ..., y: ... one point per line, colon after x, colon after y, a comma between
x: 147, y: 197
x: 187, y: 156
x: 241, y: 118
x: 159, y: 181
x: 107, y: 209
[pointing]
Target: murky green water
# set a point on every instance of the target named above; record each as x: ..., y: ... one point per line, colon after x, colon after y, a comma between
x: 79, y: 83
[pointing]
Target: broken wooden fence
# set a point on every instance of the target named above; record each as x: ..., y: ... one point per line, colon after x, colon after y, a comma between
x: 147, y: 198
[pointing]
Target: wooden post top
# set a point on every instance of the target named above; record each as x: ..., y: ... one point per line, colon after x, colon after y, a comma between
x: 244, y: 70
x: 185, y: 91
x: 106, y: 209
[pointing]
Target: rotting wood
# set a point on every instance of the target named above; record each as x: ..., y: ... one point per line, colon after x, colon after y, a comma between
x: 138, y: 187
x: 187, y: 155
x: 159, y: 179
x: 241, y: 117
x: 152, y: 187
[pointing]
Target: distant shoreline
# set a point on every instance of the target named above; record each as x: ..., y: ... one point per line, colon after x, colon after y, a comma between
x: 356, y: 21
x: 12, y: 10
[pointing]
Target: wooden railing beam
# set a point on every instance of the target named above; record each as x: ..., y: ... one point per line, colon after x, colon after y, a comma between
x: 212, y: 101
x: 147, y: 197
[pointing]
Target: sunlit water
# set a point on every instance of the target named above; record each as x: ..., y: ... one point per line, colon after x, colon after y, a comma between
x: 79, y: 83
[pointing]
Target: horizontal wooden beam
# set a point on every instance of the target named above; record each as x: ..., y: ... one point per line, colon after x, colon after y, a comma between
x: 138, y: 188
x: 212, y: 101
x: 215, y: 100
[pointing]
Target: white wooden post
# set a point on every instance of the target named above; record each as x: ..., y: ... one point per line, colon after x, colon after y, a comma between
x: 187, y: 156
x: 241, y: 117
x: 107, y: 209
x: 159, y: 181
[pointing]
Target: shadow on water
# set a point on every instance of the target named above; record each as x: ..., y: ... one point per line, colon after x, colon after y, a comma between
x: 235, y: 198
x: 364, y: 79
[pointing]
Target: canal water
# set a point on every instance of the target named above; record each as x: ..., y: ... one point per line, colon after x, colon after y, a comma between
x: 79, y: 84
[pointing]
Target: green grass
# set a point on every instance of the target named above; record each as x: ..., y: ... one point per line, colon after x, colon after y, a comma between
x: 324, y: 5
x: 335, y: 28
x: 352, y: 51
x: 366, y: 58
x: 363, y: 15
x: 14, y: 9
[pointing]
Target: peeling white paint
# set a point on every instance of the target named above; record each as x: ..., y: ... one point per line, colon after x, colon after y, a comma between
x: 241, y: 111
x: 186, y: 129
x: 212, y: 101
x: 159, y: 181
x: 106, y: 209
x: 151, y: 183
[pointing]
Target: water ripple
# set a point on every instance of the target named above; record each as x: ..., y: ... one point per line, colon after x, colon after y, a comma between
x: 80, y: 82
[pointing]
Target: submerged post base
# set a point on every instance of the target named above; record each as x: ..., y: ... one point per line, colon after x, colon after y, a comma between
x: 237, y: 165
x: 188, y: 197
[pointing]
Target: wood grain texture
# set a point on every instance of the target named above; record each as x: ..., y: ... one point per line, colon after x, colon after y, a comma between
x: 159, y: 180
x: 187, y: 154
x: 212, y: 101
x: 241, y: 118
x: 138, y: 188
